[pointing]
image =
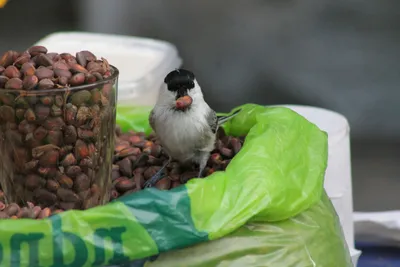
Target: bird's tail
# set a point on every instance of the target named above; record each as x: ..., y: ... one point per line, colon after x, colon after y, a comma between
x: 223, y: 119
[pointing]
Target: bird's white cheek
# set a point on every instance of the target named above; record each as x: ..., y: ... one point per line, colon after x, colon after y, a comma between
x: 166, y: 99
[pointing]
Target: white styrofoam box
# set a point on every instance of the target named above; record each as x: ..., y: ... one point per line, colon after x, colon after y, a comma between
x: 355, y: 255
x: 338, y: 183
x: 379, y: 227
x: 339, y: 205
x: 339, y: 202
x: 143, y: 63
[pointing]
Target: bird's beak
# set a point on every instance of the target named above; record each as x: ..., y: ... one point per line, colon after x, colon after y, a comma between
x: 183, y: 102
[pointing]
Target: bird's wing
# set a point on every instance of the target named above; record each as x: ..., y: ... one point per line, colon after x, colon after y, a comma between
x: 215, y: 121
x: 212, y: 120
x: 222, y: 119
x: 152, y: 120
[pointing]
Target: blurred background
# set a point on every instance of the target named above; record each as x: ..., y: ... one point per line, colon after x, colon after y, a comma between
x: 341, y: 55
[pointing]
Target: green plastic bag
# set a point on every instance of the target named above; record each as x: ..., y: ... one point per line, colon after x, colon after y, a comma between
x: 312, y: 238
x: 267, y: 209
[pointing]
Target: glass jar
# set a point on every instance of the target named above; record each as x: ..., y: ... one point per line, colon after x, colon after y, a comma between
x: 56, y: 145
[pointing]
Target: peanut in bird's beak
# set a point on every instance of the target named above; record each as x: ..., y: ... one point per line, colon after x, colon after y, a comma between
x: 183, y: 102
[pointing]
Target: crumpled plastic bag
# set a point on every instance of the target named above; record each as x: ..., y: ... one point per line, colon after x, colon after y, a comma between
x: 312, y: 238
x: 267, y: 209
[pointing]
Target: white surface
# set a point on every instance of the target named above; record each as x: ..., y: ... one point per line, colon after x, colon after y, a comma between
x: 143, y: 63
x: 338, y: 183
x: 378, y: 227
x: 339, y: 204
x: 355, y: 255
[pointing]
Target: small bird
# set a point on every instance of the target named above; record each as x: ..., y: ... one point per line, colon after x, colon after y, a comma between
x: 183, y: 122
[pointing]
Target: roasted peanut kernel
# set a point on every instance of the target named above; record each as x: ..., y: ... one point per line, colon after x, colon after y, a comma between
x: 14, y: 84
x: 12, y: 72
x: 36, y: 50
x: 30, y: 82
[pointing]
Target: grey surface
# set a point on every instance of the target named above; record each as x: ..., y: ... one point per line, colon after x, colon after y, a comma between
x: 24, y: 22
x: 341, y: 55
x: 376, y: 175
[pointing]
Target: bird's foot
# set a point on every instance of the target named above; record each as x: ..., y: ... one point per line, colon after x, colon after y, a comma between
x: 200, y: 175
x: 154, y: 179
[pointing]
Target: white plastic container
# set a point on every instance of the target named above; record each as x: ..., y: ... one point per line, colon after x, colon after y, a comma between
x: 338, y: 181
x: 143, y: 63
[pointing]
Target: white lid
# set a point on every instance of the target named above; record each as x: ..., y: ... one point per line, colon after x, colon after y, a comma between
x: 143, y: 63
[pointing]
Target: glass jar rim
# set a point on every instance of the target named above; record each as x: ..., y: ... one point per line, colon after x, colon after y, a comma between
x: 114, y: 75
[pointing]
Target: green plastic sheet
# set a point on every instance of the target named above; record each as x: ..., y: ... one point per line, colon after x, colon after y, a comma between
x: 267, y: 209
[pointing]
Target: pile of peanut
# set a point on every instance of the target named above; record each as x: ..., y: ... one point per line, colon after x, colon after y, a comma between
x: 138, y: 157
